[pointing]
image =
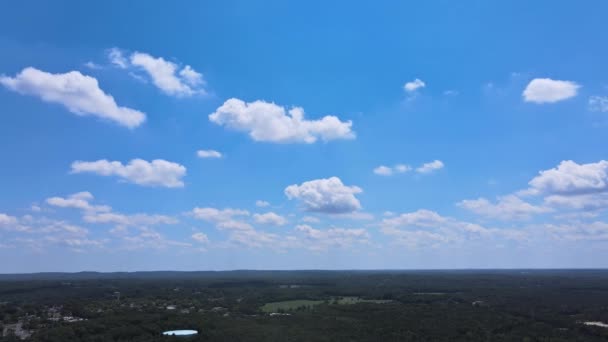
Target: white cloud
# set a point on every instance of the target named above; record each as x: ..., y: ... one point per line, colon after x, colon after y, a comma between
x: 256, y: 239
x: 116, y: 57
x: 420, y: 218
x: 428, y: 228
x: 355, y: 215
x: 328, y: 195
x: 508, y: 207
x: 269, y: 122
x: 149, y: 238
x: 270, y: 218
x: 261, y: 204
x: 200, y: 237
x: 310, y: 219
x: 450, y: 92
x: 581, y: 202
x: 414, y: 85
x: 333, y: 237
x: 383, y: 170
x: 92, y: 65
x: 78, y: 200
x: 224, y: 218
x: 6, y: 220
x: 128, y: 220
x: 430, y: 167
x: 578, y: 231
x: 208, y: 154
x: 546, y: 90
x: 155, y: 173
x: 598, y: 103
x: 168, y: 77
x: 79, y: 93
x: 191, y: 77
x: 570, y: 178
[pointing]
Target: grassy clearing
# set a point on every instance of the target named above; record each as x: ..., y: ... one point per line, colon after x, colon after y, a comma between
x: 355, y: 300
x: 289, y: 305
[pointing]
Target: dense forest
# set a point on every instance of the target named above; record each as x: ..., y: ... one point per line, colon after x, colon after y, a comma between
x: 518, y: 305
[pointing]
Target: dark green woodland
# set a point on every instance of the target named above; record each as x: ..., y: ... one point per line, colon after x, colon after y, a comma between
x: 515, y: 305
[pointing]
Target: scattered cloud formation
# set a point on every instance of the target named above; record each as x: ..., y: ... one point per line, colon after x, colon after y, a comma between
x: 79, y: 93
x: 310, y: 219
x: 570, y: 178
x: 208, y: 154
x: 546, y: 90
x: 265, y: 121
x: 92, y: 65
x: 222, y: 218
x: 383, y: 170
x: 80, y: 200
x: 171, y: 78
x: 333, y: 237
x: 327, y: 195
x: 579, y: 231
x: 6, y: 220
x: 598, y: 103
x: 430, y: 167
x: 425, y: 228
x: 200, y: 238
x: 129, y: 220
x: 414, y: 85
x: 593, y: 201
x: 117, y: 58
x: 270, y: 218
x: 508, y: 207
x: 158, y: 172
x: 261, y: 204
x: 168, y: 77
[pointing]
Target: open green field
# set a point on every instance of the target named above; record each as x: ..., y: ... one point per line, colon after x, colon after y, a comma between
x: 289, y: 305
x: 355, y: 300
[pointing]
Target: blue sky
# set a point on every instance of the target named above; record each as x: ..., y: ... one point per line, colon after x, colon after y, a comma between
x: 274, y: 135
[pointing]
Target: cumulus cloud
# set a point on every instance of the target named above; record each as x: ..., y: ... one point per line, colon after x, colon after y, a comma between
x: 598, y: 103
x: 222, y: 218
x: 79, y: 93
x: 129, y: 220
x: 257, y: 239
x: 80, y: 200
x: 430, y: 167
x: 579, y: 231
x: 261, y: 204
x: 546, y: 90
x: 155, y: 173
x: 327, y: 195
x: 270, y: 218
x: 420, y: 218
x: 592, y: 201
x: 414, y: 85
x: 208, y: 154
x: 268, y: 122
x: 333, y: 237
x: 200, y: 238
x: 168, y: 77
x: 310, y: 219
x: 116, y: 57
x: 508, y: 207
x: 570, y: 178
x: 383, y: 170
x: 6, y: 220
x: 428, y: 228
